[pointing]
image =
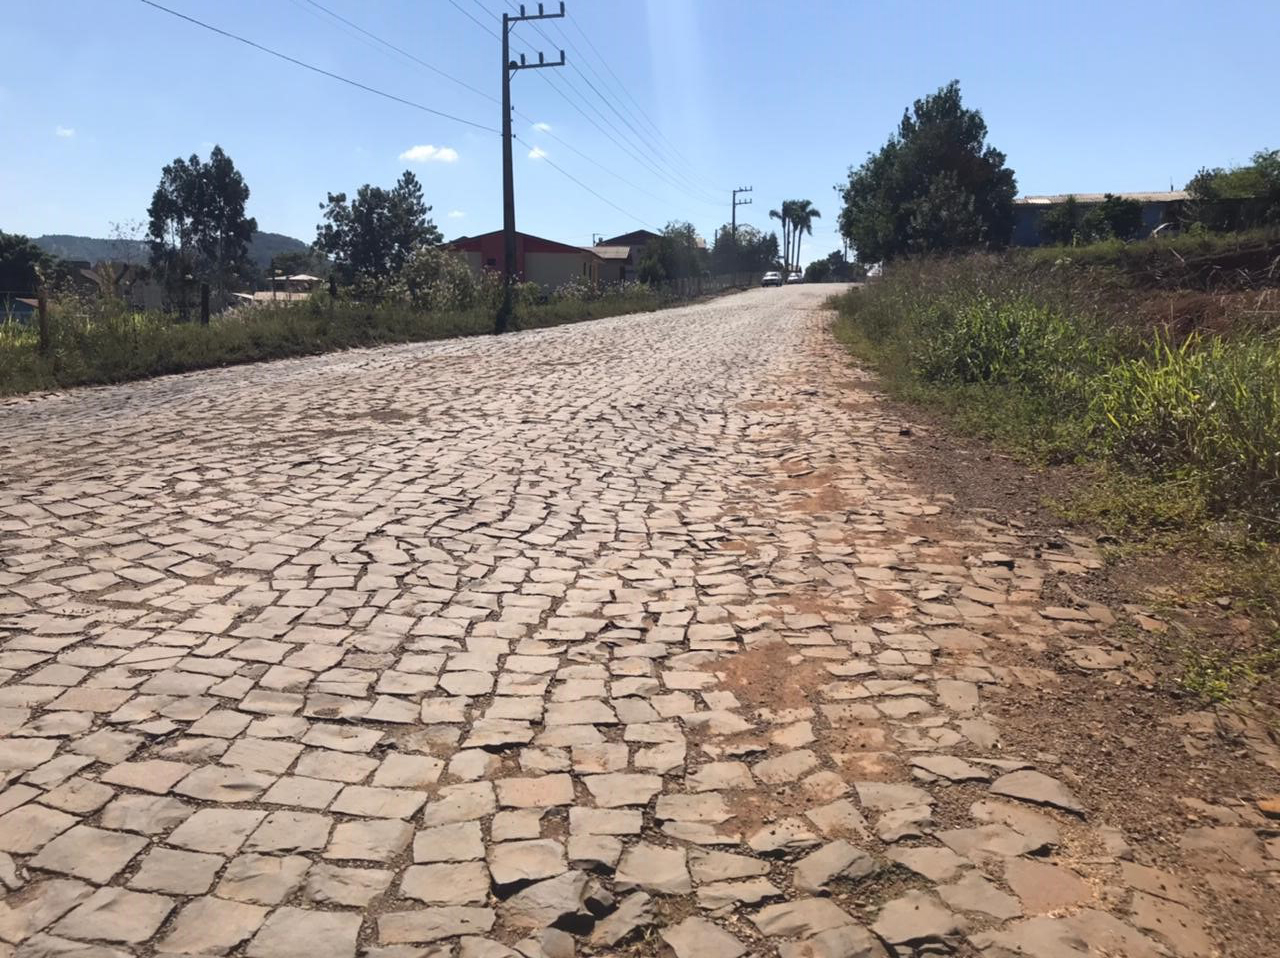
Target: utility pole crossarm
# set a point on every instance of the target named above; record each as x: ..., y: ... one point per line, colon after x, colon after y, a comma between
x: 542, y: 62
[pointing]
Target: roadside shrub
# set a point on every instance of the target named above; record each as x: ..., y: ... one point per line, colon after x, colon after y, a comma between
x: 1039, y: 359
x: 1010, y: 342
x: 1208, y: 409
x: 434, y: 278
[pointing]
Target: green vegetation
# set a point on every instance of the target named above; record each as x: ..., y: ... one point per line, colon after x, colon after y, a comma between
x: 673, y: 255
x: 835, y: 268
x: 748, y: 250
x: 102, y: 341
x: 1032, y: 361
x: 935, y: 185
x: 23, y: 265
x: 197, y: 226
x: 1114, y: 218
x: 1159, y: 261
x: 796, y: 217
x: 371, y: 235
x: 1181, y: 430
x: 1239, y: 198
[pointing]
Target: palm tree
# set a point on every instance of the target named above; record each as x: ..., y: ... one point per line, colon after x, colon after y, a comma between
x: 784, y: 215
x: 802, y: 216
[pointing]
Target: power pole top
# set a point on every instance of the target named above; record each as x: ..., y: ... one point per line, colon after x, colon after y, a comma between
x: 736, y: 203
x: 510, y: 68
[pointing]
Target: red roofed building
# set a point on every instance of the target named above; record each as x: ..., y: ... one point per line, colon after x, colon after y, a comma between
x: 538, y: 260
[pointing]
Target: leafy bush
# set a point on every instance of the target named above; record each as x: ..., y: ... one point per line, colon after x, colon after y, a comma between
x: 435, y: 279
x: 1206, y: 409
x: 1034, y: 357
x: 1007, y: 342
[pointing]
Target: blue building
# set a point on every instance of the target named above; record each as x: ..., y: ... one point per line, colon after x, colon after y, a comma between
x: 1157, y: 209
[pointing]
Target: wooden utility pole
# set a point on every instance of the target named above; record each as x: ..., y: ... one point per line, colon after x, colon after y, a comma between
x: 736, y: 203
x: 509, y: 69
x: 42, y: 317
x: 737, y: 255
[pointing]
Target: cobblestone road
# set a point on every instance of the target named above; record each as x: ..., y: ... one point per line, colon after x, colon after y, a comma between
x: 594, y: 639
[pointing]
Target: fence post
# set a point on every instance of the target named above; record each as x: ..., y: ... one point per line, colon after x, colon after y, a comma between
x: 42, y: 308
x: 204, y: 304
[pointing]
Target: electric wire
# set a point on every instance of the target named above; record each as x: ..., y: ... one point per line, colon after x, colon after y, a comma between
x: 315, y: 69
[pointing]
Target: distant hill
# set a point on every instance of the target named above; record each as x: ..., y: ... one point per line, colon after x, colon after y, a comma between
x: 262, y: 248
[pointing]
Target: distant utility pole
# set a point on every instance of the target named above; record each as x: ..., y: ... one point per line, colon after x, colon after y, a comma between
x: 737, y: 253
x: 509, y: 69
x: 736, y: 203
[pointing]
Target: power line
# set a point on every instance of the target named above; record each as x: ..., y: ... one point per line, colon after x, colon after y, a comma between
x: 545, y: 159
x: 627, y: 93
x: 403, y: 53
x: 690, y: 187
x: 386, y: 43
x: 618, y: 176
x: 470, y: 16
x: 624, y: 147
x: 315, y: 69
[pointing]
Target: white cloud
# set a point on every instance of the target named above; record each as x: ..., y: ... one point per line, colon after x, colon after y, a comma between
x: 537, y: 153
x: 426, y: 153
x: 542, y: 127
x: 65, y: 132
x: 456, y: 214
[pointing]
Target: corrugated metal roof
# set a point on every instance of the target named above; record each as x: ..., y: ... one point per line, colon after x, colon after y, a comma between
x: 1163, y: 196
x: 609, y: 252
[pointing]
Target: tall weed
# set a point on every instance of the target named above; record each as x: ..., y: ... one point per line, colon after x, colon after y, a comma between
x: 1028, y: 357
x: 1208, y: 410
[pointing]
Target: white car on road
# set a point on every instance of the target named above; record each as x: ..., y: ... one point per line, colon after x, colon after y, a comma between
x: 795, y: 278
x: 771, y: 278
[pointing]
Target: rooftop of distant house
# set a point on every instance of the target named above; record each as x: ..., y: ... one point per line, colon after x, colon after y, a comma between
x: 1161, y: 196
x: 610, y: 252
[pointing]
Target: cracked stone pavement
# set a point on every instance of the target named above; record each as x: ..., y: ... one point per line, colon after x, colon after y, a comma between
x: 600, y: 639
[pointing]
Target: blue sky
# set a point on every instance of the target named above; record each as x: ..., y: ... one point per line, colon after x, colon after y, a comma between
x: 1084, y: 97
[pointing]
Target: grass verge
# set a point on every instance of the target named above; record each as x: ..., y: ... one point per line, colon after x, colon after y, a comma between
x: 97, y: 343
x: 1181, y: 435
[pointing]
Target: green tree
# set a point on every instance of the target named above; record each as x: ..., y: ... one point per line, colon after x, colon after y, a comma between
x: 1115, y: 217
x: 803, y: 214
x: 750, y: 251
x: 1241, y: 197
x: 23, y: 265
x: 935, y: 185
x: 675, y: 254
x: 298, y: 262
x: 197, y: 223
x: 834, y: 268
x: 435, y: 278
x: 373, y: 234
x: 1060, y: 223
x: 783, y: 215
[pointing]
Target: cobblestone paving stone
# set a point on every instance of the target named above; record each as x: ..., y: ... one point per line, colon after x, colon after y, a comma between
x: 604, y: 638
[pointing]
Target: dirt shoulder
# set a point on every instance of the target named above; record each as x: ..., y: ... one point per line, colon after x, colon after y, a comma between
x: 1180, y: 775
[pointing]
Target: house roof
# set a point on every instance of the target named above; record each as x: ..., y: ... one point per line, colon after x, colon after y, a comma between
x: 1162, y: 196
x: 532, y: 244
x: 267, y: 296
x: 610, y: 252
x: 634, y: 238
